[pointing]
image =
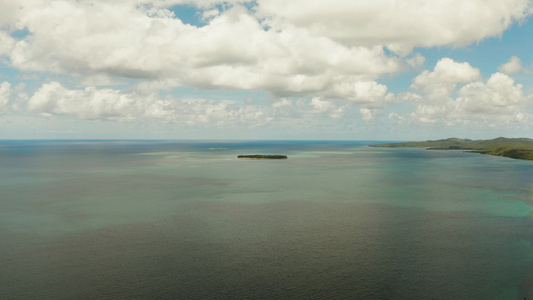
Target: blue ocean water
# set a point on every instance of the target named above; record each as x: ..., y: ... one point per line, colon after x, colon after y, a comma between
x: 188, y: 220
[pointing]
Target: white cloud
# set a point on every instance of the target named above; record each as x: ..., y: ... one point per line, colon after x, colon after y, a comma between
x: 368, y: 114
x: 437, y: 85
x: 320, y: 105
x: 6, y: 44
x: 108, y: 104
x: 284, y: 102
x: 53, y: 99
x: 499, y: 96
x: 290, y: 49
x: 514, y: 65
x: 358, y: 91
x: 8, y: 14
x: 497, y: 102
x: 323, y: 106
x: 396, y: 117
x: 99, y: 80
x: 328, y: 54
x: 416, y: 62
x: 400, y: 25
x: 447, y: 71
x: 434, y: 113
x: 205, y: 4
x: 233, y: 51
x: 5, y: 94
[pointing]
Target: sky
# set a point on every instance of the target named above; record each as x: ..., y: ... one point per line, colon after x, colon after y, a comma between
x: 266, y: 69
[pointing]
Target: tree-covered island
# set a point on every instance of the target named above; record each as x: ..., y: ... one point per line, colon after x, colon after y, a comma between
x: 519, y: 148
x: 262, y: 156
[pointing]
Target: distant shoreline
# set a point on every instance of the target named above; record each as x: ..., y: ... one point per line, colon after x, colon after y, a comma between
x: 517, y: 148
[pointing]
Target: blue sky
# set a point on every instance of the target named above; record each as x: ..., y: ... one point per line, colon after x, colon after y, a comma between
x: 266, y: 69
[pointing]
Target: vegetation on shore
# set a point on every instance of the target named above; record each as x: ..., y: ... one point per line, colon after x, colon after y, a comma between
x: 262, y: 156
x: 519, y: 148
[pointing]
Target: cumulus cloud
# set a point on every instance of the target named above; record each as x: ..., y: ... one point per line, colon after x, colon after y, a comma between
x: 368, y: 114
x: 319, y: 105
x: 5, y: 94
x: 416, y: 62
x: 284, y: 102
x: 499, y: 95
x: 109, y: 104
x: 53, y: 99
x: 235, y: 50
x: 447, y: 71
x: 497, y: 101
x: 359, y: 91
x: 314, y: 57
x: 514, y: 65
x: 400, y: 25
x: 6, y: 43
x: 90, y: 103
x: 440, y: 83
x: 435, y: 113
x: 322, y: 48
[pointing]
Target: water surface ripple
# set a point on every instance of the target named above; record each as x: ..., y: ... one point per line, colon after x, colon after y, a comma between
x: 188, y: 220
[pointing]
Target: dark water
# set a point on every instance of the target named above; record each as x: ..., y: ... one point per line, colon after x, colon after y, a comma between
x: 188, y: 220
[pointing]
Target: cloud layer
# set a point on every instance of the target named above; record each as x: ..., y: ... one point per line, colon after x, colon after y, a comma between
x: 234, y: 51
x: 398, y: 25
x: 296, y: 48
x: 53, y: 99
x: 317, y: 58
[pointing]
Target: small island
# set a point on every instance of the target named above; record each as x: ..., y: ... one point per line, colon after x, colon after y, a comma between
x: 262, y: 156
x: 519, y: 148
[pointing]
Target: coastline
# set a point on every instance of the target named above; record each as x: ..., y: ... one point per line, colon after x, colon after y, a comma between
x: 516, y: 148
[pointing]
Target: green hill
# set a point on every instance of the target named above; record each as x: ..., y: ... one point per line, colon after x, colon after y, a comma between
x: 519, y: 148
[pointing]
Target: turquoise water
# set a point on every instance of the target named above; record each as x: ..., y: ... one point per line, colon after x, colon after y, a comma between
x: 188, y: 220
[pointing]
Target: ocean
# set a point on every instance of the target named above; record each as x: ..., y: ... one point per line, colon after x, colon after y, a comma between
x: 188, y: 220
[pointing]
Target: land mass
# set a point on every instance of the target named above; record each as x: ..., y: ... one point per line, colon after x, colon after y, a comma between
x: 519, y: 148
x: 262, y: 156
